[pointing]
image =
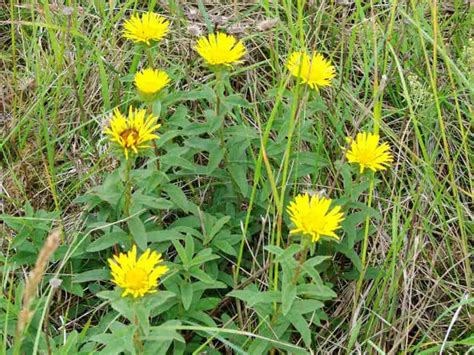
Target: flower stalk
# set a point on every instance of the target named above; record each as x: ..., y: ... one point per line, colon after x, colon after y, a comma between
x: 365, y: 244
x: 136, y: 335
x: 128, y: 186
x: 301, y: 259
x: 218, y: 106
x: 149, y: 56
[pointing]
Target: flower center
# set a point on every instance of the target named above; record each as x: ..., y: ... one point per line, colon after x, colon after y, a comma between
x: 130, y: 137
x: 313, y: 222
x: 366, y: 156
x: 136, y: 278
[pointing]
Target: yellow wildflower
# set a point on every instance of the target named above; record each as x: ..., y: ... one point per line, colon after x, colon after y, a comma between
x: 315, y: 71
x: 311, y: 216
x: 147, y: 28
x: 137, y: 277
x: 150, y: 81
x: 368, y: 153
x: 132, y: 132
x: 220, y: 49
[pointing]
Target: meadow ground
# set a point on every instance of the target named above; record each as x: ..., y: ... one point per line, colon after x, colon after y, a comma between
x: 211, y: 194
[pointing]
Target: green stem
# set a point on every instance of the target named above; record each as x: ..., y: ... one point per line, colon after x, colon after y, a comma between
x: 301, y: 259
x: 149, y: 56
x: 218, y: 111
x: 155, y: 147
x: 136, y: 335
x: 128, y: 187
x: 296, y: 105
x: 365, y: 244
x: 220, y: 131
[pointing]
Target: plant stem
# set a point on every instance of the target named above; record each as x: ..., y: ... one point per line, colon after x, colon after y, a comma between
x: 295, y: 108
x: 149, y: 56
x: 136, y: 335
x: 218, y: 109
x: 301, y: 259
x: 220, y: 131
x: 128, y: 187
x: 365, y: 244
x: 155, y: 147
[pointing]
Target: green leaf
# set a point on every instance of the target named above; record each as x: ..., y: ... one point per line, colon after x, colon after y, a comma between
x: 309, y: 267
x: 107, y: 240
x: 109, y: 294
x: 186, y: 294
x: 224, y: 246
x: 239, y: 175
x: 215, y: 158
x: 189, y: 248
x: 312, y: 272
x: 301, y: 326
x: 179, y: 198
x: 139, y: 200
x: 181, y: 253
x: 91, y: 275
x: 165, y: 332
x: 119, y: 342
x: 111, y: 191
x: 201, y: 275
x: 164, y: 235
x: 288, y: 296
x: 202, y: 93
x: 217, y: 227
x: 155, y: 300
x: 156, y: 108
x: 236, y: 100
x: 320, y: 292
x: 202, y: 257
x: 138, y: 231
x: 179, y: 117
x: 283, y: 254
x: 254, y: 297
x: 312, y: 262
x: 306, y: 306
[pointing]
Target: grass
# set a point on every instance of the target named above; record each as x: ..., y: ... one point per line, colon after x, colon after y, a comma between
x: 403, y: 69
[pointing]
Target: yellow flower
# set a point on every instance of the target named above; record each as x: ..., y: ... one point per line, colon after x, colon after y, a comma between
x: 220, y: 49
x: 137, y: 277
x: 311, y: 216
x: 150, y: 81
x: 150, y: 27
x: 368, y: 153
x: 132, y: 132
x: 315, y: 71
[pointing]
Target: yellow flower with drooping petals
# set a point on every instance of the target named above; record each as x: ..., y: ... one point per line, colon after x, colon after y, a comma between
x: 312, y: 216
x: 150, y: 81
x: 148, y: 28
x: 314, y: 70
x: 132, y: 132
x: 220, y: 49
x: 366, y: 151
x: 137, y: 277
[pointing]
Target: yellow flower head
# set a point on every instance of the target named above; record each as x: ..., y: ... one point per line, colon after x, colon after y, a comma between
x: 368, y: 153
x: 150, y: 81
x: 315, y: 71
x: 147, y: 28
x: 311, y: 216
x: 132, y: 132
x: 220, y: 49
x: 137, y: 277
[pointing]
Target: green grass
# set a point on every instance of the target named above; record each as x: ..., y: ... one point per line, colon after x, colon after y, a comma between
x: 404, y: 69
